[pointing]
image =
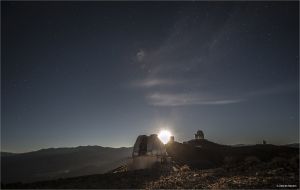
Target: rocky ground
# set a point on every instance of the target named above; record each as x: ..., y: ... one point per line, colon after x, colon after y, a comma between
x: 251, y: 174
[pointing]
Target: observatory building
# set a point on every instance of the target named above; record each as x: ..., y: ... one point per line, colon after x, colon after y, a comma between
x: 199, y: 135
x: 147, y: 151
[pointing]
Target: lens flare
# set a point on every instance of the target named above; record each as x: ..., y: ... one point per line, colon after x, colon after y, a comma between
x: 164, y: 136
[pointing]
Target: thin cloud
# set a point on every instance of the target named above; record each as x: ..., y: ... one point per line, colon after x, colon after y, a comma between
x: 164, y: 99
x: 185, y: 99
x: 155, y: 82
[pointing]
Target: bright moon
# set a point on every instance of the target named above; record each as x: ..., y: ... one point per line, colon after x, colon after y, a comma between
x: 164, y: 136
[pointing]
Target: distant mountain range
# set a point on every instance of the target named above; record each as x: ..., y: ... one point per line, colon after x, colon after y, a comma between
x: 56, y: 163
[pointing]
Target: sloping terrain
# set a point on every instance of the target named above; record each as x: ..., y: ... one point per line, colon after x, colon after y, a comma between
x: 56, y: 163
x: 251, y: 174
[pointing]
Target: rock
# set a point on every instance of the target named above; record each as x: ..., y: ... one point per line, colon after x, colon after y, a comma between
x: 175, y: 169
x: 185, y: 168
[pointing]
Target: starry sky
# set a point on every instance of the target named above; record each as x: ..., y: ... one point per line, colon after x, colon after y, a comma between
x: 102, y: 73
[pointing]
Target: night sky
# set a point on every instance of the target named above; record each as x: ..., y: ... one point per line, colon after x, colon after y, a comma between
x: 100, y: 73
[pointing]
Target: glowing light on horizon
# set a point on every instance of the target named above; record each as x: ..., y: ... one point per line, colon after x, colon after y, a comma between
x: 164, y: 136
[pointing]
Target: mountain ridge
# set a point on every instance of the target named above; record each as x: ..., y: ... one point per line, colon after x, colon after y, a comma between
x: 5, y: 153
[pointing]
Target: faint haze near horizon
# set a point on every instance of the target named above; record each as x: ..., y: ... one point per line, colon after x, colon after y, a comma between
x: 102, y: 73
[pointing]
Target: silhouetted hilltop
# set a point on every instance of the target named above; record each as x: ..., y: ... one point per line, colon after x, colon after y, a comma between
x: 194, y: 156
x: 204, y: 154
x: 264, y: 152
x: 205, y: 144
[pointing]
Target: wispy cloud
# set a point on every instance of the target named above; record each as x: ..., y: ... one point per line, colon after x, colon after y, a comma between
x: 155, y: 82
x: 161, y: 99
x: 185, y: 99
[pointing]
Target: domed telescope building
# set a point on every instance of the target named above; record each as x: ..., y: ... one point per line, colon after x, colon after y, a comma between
x: 147, y: 151
x: 199, y: 135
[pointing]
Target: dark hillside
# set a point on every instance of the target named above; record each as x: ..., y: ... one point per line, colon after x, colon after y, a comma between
x: 262, y: 152
x: 194, y: 157
x: 61, y: 162
x: 125, y: 180
x: 202, y: 154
